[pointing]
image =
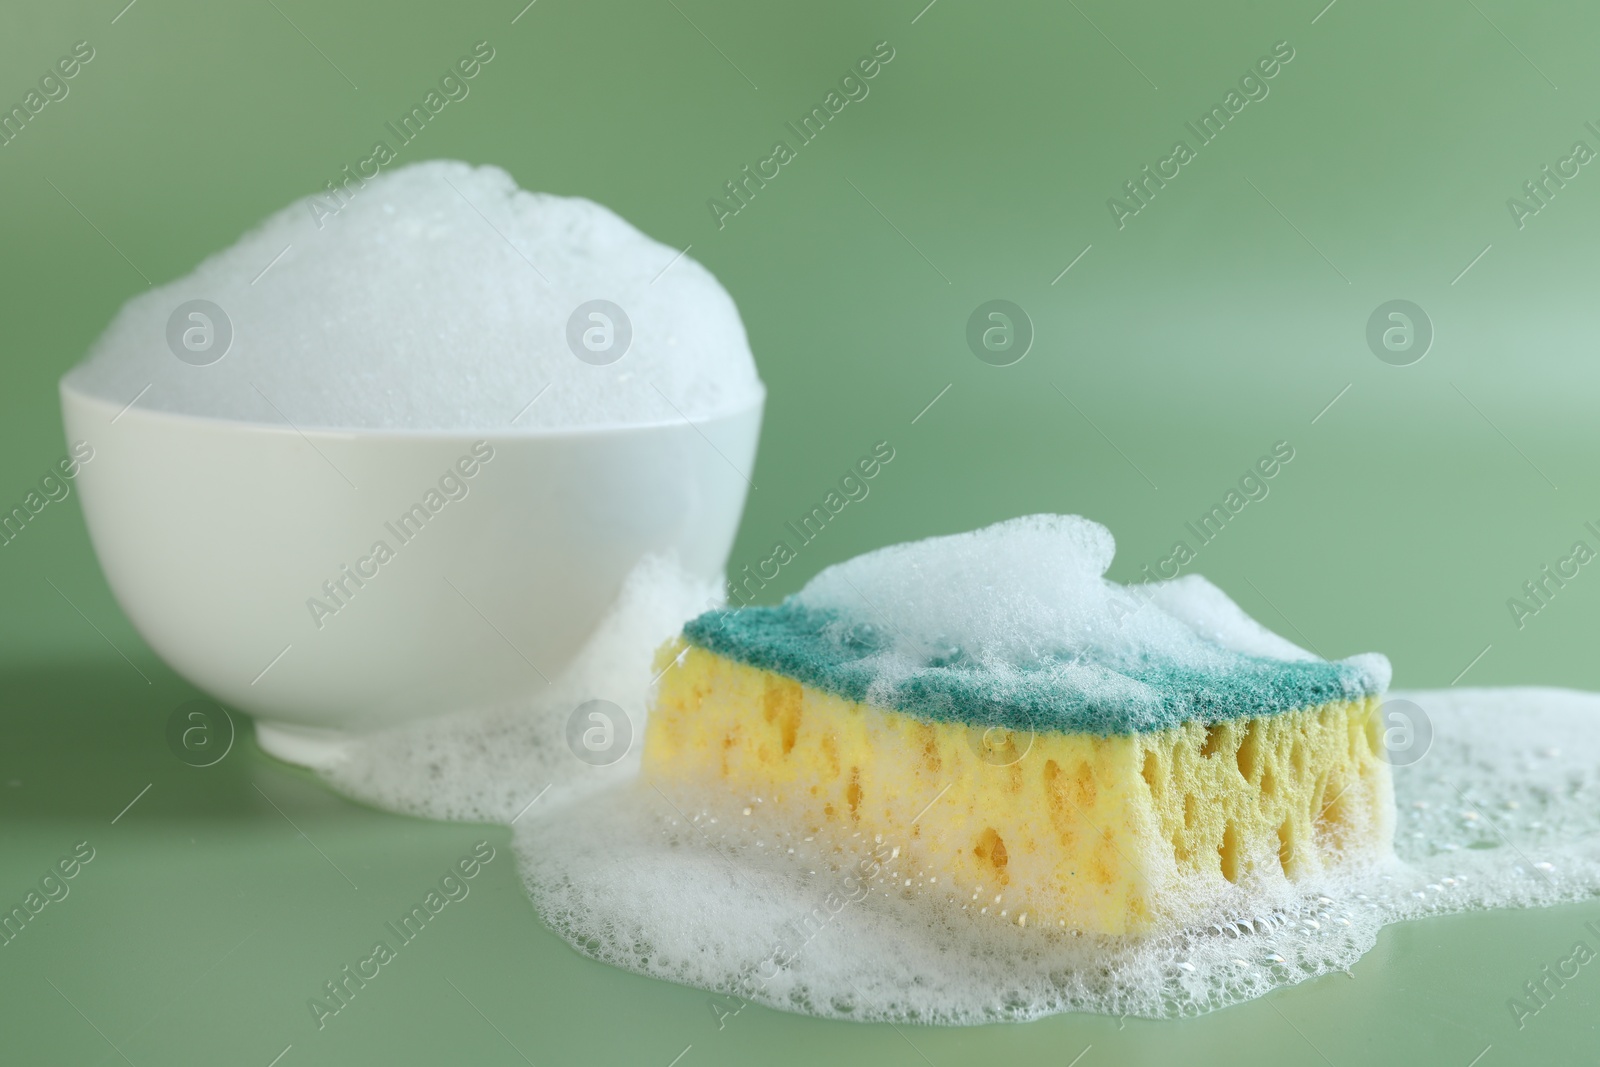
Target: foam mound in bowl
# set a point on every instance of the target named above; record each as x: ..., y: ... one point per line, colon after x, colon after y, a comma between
x: 438, y: 298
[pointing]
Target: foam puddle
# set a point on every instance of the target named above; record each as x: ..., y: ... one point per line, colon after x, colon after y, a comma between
x: 1490, y: 816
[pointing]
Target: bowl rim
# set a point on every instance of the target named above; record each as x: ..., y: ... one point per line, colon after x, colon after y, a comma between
x: 72, y: 395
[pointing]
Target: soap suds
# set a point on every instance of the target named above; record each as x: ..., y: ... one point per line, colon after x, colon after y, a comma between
x: 1031, y: 589
x: 439, y: 298
x: 486, y: 766
x: 713, y: 898
x: 1014, y: 625
x: 727, y: 896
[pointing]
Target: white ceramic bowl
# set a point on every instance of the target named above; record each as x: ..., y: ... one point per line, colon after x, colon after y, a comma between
x: 217, y: 538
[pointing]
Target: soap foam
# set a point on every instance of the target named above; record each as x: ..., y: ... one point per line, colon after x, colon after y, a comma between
x: 485, y: 766
x: 728, y: 896
x: 438, y: 298
x: 1031, y: 591
x: 1014, y: 625
x: 713, y: 898
x: 1045, y: 595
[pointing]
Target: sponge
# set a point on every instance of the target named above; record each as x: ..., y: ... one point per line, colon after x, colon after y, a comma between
x: 1080, y: 831
x: 1113, y: 785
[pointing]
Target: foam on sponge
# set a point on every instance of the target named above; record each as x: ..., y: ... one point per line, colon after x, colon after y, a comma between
x: 1013, y: 625
x: 437, y: 298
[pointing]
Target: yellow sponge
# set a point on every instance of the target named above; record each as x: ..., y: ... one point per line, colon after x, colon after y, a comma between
x: 1106, y: 834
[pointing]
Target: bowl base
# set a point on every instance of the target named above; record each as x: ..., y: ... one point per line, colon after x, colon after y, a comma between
x: 305, y: 746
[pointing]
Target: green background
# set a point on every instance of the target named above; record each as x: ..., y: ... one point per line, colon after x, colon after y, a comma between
x: 1224, y: 317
